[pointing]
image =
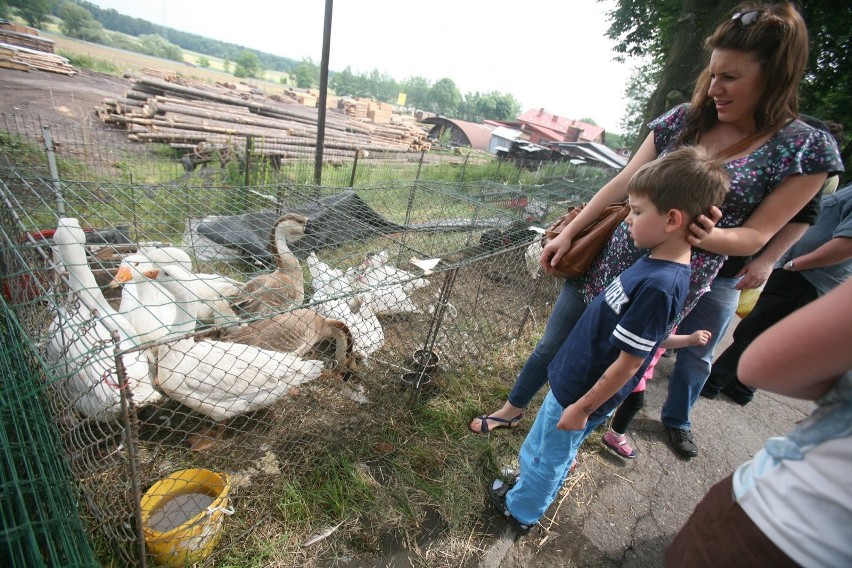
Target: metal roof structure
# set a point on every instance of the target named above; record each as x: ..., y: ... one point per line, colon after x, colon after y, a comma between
x: 592, y: 151
x: 477, y: 136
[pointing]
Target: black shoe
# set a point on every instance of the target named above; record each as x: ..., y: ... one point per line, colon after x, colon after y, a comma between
x: 497, y: 495
x: 682, y: 442
x: 739, y: 393
x: 709, y: 392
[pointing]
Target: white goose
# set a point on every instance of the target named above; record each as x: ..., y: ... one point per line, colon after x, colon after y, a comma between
x: 216, y: 378
x: 148, y: 307
x: 214, y: 290
x: 368, y: 336
x: 80, y: 340
x: 385, y: 287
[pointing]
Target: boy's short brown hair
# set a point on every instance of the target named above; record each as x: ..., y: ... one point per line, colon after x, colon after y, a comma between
x: 687, y: 179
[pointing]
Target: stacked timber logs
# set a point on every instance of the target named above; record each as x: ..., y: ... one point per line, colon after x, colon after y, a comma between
x: 203, y: 117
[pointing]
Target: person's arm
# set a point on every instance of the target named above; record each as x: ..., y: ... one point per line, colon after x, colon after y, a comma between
x: 757, y: 270
x: 614, y: 191
x: 700, y: 337
x: 802, y: 355
x: 575, y: 416
x: 774, y: 212
x: 835, y: 251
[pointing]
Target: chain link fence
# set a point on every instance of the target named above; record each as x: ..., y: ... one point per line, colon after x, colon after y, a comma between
x: 196, y: 340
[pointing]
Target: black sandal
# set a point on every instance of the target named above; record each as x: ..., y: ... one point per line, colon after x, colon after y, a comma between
x: 502, y: 422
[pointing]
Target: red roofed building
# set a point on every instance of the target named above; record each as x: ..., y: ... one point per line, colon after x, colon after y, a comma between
x: 545, y: 127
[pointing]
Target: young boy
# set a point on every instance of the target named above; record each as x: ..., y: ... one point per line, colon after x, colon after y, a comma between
x: 604, y: 357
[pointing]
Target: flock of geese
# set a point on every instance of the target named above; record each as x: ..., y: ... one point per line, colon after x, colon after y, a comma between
x: 266, y: 328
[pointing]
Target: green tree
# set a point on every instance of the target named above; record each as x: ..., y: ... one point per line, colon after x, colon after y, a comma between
x: 203, y: 62
x: 158, y: 46
x: 640, y: 86
x: 306, y: 74
x: 671, y: 34
x: 78, y: 22
x: 226, y: 65
x: 416, y: 90
x: 380, y: 86
x: 507, y: 107
x: 344, y: 83
x: 247, y: 65
x: 34, y: 12
x: 444, y: 97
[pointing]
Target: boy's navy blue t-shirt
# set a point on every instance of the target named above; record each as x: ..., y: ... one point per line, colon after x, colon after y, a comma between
x: 632, y: 314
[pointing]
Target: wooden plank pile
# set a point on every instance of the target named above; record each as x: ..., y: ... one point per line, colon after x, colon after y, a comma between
x: 24, y: 36
x: 204, y: 117
x: 22, y: 49
x: 24, y: 59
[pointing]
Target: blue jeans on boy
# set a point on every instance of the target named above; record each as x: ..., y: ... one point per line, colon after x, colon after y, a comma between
x: 713, y: 312
x: 545, y: 458
x: 566, y: 311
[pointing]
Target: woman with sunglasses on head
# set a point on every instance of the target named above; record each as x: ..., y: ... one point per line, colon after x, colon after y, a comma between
x: 744, y: 109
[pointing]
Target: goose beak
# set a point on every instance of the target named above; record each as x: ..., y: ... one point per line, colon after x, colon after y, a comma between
x: 152, y: 274
x: 122, y: 276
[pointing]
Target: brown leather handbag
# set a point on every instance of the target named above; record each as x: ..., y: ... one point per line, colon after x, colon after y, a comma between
x: 588, y: 242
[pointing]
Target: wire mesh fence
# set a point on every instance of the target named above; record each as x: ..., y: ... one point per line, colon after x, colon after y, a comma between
x: 196, y: 342
x: 39, y: 519
x: 200, y: 329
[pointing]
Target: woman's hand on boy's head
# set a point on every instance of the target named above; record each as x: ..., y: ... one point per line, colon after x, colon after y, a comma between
x: 703, y: 226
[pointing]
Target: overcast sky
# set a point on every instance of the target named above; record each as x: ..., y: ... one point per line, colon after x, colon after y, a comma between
x: 546, y: 53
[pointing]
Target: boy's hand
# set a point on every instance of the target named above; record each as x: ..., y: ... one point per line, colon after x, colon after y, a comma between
x: 553, y: 251
x: 700, y: 337
x: 573, y: 418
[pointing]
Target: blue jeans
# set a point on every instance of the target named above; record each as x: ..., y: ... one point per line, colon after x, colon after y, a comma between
x: 545, y: 458
x: 566, y: 311
x: 713, y: 312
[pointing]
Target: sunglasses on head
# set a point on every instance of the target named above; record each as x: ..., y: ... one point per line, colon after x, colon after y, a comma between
x: 747, y: 19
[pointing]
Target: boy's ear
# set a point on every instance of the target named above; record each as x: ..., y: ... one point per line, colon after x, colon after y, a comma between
x: 675, y: 220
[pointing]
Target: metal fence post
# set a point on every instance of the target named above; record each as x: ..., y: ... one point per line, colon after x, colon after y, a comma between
x: 420, y: 165
x: 354, y: 168
x: 54, y: 171
x: 464, y: 166
x: 249, y: 149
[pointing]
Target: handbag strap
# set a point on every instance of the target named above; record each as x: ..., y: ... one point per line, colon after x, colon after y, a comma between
x: 741, y: 145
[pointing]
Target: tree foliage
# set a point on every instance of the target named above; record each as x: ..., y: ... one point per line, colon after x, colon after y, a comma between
x: 247, y: 64
x: 78, y: 22
x: 669, y: 34
x: 306, y: 74
x: 34, y: 12
x: 158, y: 46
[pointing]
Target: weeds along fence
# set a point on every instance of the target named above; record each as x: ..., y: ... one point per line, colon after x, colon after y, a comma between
x: 208, y: 349
x: 87, y: 149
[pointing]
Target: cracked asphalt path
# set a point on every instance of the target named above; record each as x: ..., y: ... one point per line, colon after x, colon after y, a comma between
x: 624, y: 513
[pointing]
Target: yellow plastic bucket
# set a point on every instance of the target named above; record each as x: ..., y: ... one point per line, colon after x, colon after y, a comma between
x: 183, y: 515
